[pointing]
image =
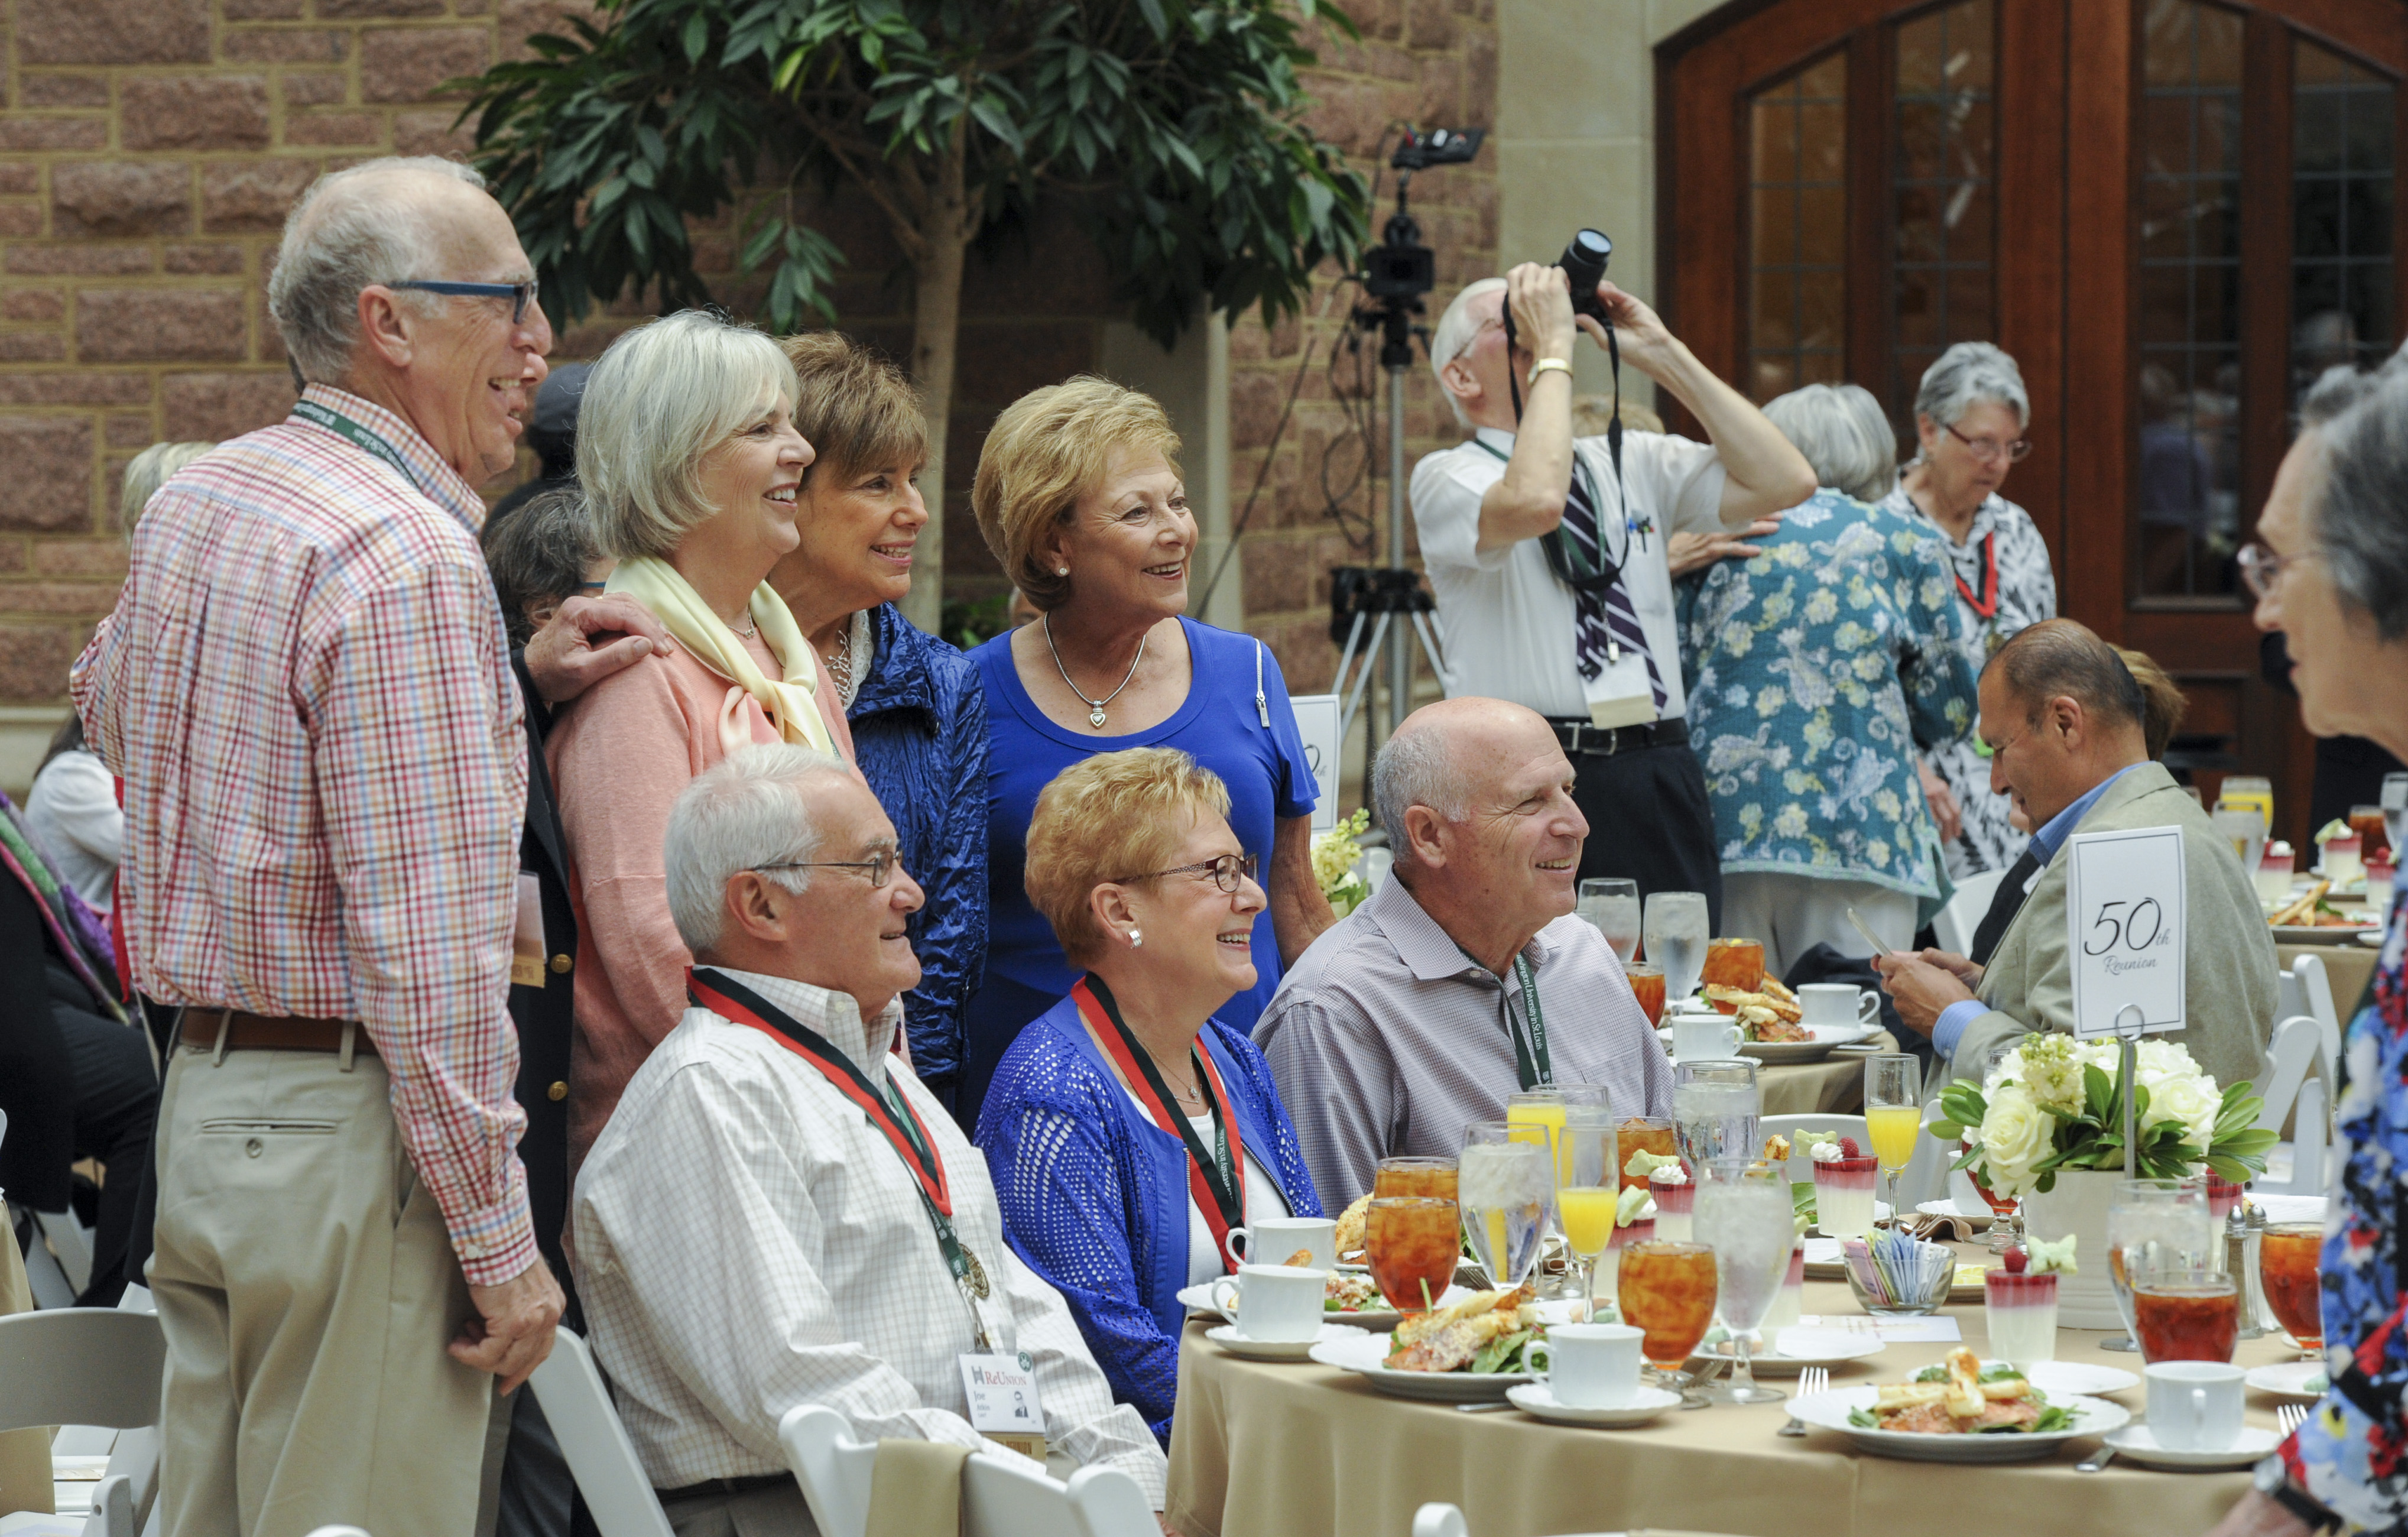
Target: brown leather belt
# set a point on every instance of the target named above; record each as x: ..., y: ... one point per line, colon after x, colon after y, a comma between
x: 246, y: 1031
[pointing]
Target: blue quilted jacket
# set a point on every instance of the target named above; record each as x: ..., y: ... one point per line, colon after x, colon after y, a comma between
x: 1095, y: 1195
x: 918, y: 729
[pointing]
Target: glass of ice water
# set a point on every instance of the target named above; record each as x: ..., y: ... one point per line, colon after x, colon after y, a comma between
x: 1677, y: 930
x: 1611, y: 904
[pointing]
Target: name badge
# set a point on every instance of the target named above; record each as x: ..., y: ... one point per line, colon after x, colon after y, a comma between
x: 526, y: 942
x: 1620, y: 694
x: 1003, y: 1406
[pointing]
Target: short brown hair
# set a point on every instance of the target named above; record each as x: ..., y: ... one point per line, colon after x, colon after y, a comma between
x: 855, y: 408
x: 2061, y: 656
x: 2163, y: 704
x: 1108, y: 818
x: 1047, y: 449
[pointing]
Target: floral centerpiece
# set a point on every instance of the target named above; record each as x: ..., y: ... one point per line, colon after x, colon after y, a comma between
x: 1335, y: 854
x: 2057, y: 1103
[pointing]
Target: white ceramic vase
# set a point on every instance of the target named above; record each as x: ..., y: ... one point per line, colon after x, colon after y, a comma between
x: 2078, y: 1204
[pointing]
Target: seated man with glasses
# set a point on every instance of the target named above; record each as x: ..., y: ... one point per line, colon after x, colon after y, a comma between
x: 1466, y: 976
x: 2062, y: 716
x: 778, y: 1212
x: 1129, y: 1131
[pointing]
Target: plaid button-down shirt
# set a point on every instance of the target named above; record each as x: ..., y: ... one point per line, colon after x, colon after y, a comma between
x: 306, y: 689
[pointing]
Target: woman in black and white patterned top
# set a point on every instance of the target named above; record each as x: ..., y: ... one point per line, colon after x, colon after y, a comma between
x: 1970, y: 414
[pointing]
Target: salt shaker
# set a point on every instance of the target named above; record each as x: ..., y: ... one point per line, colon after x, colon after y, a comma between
x: 2243, y: 1230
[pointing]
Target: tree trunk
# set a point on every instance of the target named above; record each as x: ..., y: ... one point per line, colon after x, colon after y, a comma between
x: 936, y: 315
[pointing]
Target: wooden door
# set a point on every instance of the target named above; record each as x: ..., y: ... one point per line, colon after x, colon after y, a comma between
x: 2171, y: 212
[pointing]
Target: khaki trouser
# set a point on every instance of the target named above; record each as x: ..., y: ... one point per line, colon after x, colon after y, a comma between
x: 306, y: 1287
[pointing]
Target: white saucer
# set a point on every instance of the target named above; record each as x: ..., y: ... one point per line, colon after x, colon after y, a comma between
x: 1799, y: 1347
x: 2136, y: 1443
x: 2058, y: 1378
x: 1228, y: 1339
x: 1537, y: 1398
x: 2290, y: 1380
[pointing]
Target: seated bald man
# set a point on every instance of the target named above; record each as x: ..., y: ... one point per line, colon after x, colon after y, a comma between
x: 1464, y: 978
x: 2062, y: 716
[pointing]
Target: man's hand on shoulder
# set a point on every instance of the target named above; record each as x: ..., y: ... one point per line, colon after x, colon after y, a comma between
x: 562, y: 657
x: 1686, y: 553
x: 512, y: 1331
x: 1923, y: 987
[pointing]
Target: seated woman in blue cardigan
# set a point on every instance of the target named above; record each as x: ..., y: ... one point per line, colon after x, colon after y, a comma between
x: 1128, y: 1129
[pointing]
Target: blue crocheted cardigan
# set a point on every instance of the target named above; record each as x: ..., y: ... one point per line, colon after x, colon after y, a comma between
x: 1095, y: 1195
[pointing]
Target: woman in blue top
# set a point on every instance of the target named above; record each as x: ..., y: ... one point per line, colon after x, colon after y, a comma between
x: 1128, y: 1130
x: 1079, y: 495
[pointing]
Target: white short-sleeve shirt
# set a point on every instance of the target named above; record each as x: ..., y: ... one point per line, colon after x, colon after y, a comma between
x: 1508, y: 618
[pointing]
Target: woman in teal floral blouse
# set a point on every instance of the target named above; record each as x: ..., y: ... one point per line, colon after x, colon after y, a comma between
x: 1817, y: 669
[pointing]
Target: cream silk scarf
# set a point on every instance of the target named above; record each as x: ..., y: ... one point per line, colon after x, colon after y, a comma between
x: 787, y: 702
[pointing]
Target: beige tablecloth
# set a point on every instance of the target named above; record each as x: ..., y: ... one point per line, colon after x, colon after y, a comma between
x: 2349, y: 967
x: 1835, y: 1085
x: 1305, y: 1451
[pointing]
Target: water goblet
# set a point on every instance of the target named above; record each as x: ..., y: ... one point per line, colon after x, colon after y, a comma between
x: 1676, y: 928
x: 1611, y: 904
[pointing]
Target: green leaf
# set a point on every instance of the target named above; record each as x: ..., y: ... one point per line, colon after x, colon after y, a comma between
x: 696, y: 36
x: 1863, y: 1419
x: 1947, y: 1131
x: 2098, y: 1093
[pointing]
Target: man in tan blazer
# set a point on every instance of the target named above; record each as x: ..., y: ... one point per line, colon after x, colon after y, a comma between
x: 2061, y: 715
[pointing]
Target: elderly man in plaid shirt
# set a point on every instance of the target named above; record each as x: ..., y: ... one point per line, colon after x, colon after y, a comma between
x: 307, y: 692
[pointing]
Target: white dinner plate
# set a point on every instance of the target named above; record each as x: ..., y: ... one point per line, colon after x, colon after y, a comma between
x: 2320, y: 934
x: 1829, y: 1411
x: 2290, y: 1380
x: 1797, y: 1347
x: 2371, y: 938
x: 1228, y: 1339
x: 2060, y: 1378
x: 1198, y: 1300
x: 1537, y: 1398
x: 2135, y: 1444
x: 1367, y: 1354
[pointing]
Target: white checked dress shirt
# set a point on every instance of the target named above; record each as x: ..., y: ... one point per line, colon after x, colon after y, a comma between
x: 745, y: 1242
x: 1385, y: 1040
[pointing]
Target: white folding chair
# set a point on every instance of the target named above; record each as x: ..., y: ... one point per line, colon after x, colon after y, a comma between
x: 834, y: 1468
x: 92, y: 1366
x: 1954, y: 925
x: 1801, y: 1160
x: 1008, y: 1496
x: 2313, y: 984
x: 576, y: 1403
x: 1440, y: 1519
x: 2292, y: 1083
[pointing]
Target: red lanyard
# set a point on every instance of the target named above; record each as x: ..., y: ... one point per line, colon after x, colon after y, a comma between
x: 1216, y: 1178
x: 1987, y: 604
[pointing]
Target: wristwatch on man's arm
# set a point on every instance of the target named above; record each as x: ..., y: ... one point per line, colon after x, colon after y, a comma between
x: 2273, y: 1480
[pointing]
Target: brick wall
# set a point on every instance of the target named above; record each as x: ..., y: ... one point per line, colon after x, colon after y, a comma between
x: 149, y: 150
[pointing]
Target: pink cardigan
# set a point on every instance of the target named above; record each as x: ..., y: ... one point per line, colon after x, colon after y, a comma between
x: 618, y: 755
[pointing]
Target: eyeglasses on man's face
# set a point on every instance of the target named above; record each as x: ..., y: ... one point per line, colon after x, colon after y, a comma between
x: 880, y: 867
x: 1224, y: 871
x: 522, y: 295
x: 1990, y: 448
x: 2261, y: 569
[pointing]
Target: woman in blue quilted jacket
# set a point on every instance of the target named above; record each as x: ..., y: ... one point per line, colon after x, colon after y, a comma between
x: 914, y: 703
x: 1128, y: 1129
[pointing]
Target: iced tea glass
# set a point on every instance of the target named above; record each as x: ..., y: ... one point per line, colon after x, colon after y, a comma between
x: 1416, y: 1177
x: 1643, y: 1134
x: 2186, y: 1314
x: 1411, y: 1243
x: 1647, y: 986
x: 2373, y: 836
x: 2288, y: 1258
x: 1668, y: 1289
x: 1735, y: 963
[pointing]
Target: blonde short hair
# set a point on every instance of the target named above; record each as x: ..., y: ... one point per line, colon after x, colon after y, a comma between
x: 1049, y: 448
x: 663, y: 399
x: 1108, y: 818
x: 147, y: 472
x: 856, y: 410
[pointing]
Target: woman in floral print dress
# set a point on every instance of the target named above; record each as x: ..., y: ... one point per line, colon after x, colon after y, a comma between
x: 2332, y: 573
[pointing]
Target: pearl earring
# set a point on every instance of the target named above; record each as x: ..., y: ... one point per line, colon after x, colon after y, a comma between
x: 1136, y: 940
x: 1061, y: 570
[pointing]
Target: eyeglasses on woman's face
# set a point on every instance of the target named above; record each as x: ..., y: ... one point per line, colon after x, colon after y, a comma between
x: 1990, y: 450
x: 1224, y: 871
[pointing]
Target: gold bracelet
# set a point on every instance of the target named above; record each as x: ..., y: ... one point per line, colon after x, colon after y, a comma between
x: 1548, y: 365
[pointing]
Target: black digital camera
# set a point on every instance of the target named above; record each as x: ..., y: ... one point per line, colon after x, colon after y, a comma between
x: 1584, y: 262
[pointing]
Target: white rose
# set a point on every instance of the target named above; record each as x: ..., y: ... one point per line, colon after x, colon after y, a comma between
x: 2194, y: 1102
x: 2015, y: 1134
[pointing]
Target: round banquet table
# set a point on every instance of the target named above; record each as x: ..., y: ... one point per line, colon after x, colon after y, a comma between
x: 1833, y: 1086
x: 1260, y: 1450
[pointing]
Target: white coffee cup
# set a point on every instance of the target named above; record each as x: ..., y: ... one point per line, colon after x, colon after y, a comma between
x: 1274, y: 1302
x: 1705, y: 1037
x: 1270, y: 1241
x: 1837, y: 1005
x: 1589, y: 1366
x: 2195, y: 1406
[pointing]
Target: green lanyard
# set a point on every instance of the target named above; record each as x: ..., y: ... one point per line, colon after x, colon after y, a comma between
x: 1531, y: 1063
x: 343, y: 426
x: 968, y: 1273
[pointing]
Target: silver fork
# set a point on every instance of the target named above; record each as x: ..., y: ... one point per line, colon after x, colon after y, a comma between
x: 2289, y: 1417
x: 1812, y: 1380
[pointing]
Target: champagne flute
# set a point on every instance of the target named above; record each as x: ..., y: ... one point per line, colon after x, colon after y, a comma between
x: 1505, y: 1182
x: 2154, y: 1225
x: 1611, y: 904
x: 1588, y: 1189
x: 1743, y: 1216
x: 1893, y: 1116
x: 1677, y: 930
x: 1717, y: 1111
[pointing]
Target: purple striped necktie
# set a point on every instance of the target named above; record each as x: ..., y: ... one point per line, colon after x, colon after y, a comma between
x: 1602, y: 617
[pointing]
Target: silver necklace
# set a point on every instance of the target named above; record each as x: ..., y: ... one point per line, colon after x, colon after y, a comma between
x: 1095, y: 706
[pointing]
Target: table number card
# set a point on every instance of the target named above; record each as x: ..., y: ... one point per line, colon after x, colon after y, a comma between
x: 2125, y: 928
x: 1325, y: 748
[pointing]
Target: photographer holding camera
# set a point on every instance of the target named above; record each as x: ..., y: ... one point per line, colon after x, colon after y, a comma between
x: 1552, y: 561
